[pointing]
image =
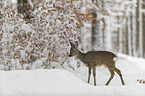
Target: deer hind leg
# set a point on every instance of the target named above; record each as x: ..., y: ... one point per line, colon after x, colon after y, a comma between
x: 94, y: 74
x: 119, y: 73
x: 111, y: 77
x: 89, y: 74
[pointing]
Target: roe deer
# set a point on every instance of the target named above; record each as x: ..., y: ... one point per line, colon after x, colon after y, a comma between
x: 93, y: 59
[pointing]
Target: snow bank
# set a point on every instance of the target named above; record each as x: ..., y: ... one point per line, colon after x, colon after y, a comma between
x: 57, y: 82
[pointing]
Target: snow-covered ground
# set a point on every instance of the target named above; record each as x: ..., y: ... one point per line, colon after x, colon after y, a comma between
x: 61, y: 82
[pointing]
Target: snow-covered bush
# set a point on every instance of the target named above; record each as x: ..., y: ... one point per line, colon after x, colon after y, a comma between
x: 14, y: 39
x: 46, y: 38
x: 57, y: 23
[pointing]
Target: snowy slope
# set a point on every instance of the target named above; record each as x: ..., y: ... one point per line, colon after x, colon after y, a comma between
x: 57, y: 82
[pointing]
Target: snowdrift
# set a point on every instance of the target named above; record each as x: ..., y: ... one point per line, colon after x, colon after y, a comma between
x: 57, y: 82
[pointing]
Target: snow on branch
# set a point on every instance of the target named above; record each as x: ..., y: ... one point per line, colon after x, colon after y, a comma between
x: 45, y: 38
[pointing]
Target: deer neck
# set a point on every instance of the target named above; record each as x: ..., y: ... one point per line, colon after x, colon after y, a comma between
x: 81, y: 56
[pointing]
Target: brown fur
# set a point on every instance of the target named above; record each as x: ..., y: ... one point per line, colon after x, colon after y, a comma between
x: 93, y: 59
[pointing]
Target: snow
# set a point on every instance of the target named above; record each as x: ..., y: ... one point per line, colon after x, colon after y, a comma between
x: 66, y: 82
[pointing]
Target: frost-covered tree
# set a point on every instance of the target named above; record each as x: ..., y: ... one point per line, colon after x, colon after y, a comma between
x: 46, y: 38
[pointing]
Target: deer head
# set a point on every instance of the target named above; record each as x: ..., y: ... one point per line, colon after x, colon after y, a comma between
x: 74, y: 49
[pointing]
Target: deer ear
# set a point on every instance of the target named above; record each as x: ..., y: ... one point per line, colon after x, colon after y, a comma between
x: 76, y: 43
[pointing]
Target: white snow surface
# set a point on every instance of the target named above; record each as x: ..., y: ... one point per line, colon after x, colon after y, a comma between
x: 64, y: 82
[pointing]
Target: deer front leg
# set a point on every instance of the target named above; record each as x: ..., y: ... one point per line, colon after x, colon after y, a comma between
x: 89, y: 74
x: 94, y: 74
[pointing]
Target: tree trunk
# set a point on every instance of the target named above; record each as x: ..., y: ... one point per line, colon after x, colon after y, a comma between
x: 126, y: 36
x: 137, y: 27
x: 25, y: 9
x: 140, y: 30
x: 129, y: 34
x: 143, y: 26
x: 1, y: 6
x: 95, y: 33
x: 21, y: 4
x: 134, y: 31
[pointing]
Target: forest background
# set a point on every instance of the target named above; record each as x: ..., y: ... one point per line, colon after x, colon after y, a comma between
x: 40, y: 30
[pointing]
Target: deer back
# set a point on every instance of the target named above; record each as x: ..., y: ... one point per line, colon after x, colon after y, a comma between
x: 99, y: 58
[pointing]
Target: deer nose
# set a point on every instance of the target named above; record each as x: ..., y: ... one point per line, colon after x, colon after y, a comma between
x: 70, y: 55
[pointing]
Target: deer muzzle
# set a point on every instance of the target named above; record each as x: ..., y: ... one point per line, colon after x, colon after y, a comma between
x: 70, y: 55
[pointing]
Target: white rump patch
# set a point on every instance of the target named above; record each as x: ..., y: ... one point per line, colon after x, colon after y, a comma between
x: 115, y: 59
